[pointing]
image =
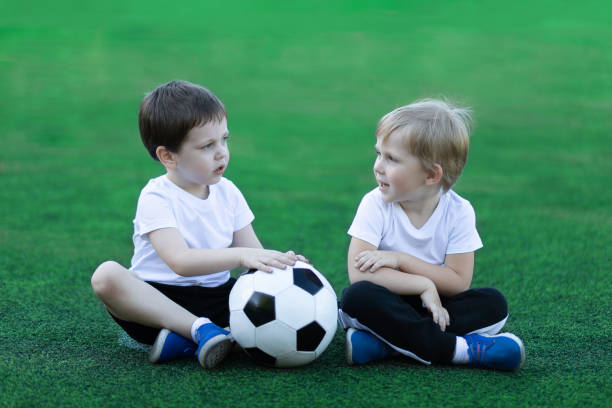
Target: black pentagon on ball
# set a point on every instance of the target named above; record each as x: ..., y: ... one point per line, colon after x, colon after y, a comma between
x: 260, y: 309
x: 307, y: 280
x: 260, y: 356
x: 309, y: 337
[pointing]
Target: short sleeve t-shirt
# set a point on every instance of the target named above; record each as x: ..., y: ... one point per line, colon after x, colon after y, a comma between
x: 451, y: 229
x: 204, y: 223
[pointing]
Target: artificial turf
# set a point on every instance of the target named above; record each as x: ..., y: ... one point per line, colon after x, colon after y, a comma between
x: 304, y: 85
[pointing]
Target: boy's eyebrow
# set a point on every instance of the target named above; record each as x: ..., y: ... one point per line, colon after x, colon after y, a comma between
x: 213, y: 138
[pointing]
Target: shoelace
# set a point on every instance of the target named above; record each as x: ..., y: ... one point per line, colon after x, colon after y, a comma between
x: 479, y: 352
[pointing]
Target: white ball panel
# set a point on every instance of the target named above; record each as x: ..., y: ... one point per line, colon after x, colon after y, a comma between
x: 272, y: 283
x: 275, y: 338
x: 326, y: 309
x: 327, y: 317
x: 241, y: 292
x: 300, y: 264
x: 295, y: 307
x: 295, y: 358
x: 242, y: 329
x: 329, y: 336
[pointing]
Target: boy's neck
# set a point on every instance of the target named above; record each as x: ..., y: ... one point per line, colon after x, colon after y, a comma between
x: 420, y: 211
x: 199, y: 190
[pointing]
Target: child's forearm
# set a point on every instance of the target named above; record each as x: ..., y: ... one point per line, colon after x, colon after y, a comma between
x: 396, y: 281
x: 193, y: 262
x: 448, y: 282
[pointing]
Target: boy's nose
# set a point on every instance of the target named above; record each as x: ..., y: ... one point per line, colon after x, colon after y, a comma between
x: 222, y: 152
x: 378, y: 168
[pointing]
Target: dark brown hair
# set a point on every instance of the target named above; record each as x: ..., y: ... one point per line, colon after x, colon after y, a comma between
x: 171, y: 110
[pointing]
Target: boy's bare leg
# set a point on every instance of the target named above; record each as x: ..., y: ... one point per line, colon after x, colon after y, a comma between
x: 134, y: 300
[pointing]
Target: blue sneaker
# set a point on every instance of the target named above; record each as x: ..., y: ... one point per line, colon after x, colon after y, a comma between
x: 170, y: 346
x: 362, y: 347
x: 214, y: 344
x: 503, y: 351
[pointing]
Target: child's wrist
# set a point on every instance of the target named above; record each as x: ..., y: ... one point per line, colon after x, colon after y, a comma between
x: 429, y: 285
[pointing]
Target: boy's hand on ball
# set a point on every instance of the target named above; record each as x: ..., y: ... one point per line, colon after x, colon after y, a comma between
x: 371, y: 261
x: 302, y: 258
x: 266, y: 259
x: 297, y: 257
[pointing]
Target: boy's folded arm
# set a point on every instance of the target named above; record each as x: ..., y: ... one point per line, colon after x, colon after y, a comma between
x: 173, y: 250
x: 450, y: 279
x: 396, y: 281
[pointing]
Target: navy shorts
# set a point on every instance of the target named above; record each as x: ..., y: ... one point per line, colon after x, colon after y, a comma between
x: 212, y: 303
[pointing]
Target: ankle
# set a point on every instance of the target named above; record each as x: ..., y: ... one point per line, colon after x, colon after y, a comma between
x: 461, y: 355
x: 196, y: 325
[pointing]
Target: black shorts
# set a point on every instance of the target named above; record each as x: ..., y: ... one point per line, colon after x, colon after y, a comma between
x: 212, y: 303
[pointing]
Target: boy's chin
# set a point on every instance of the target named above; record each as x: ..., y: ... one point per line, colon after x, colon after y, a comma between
x: 387, y: 198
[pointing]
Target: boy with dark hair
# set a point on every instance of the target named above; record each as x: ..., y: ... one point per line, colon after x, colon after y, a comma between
x: 192, y: 226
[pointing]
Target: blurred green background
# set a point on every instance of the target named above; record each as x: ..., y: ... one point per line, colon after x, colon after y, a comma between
x: 304, y: 85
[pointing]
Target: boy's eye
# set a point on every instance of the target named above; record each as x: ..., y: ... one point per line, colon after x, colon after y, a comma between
x: 207, y: 146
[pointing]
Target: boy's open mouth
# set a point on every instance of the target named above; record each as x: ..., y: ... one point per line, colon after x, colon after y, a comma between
x: 220, y: 169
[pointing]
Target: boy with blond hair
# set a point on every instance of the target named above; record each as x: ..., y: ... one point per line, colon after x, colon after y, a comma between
x: 411, y: 256
x: 192, y: 226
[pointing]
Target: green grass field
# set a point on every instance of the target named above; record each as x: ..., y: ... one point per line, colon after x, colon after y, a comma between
x: 305, y: 86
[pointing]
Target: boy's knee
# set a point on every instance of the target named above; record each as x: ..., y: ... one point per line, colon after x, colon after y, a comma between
x: 496, y: 303
x: 357, y: 295
x: 104, y: 278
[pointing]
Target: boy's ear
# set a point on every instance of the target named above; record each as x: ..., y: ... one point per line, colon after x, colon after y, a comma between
x: 166, y: 157
x: 434, y: 175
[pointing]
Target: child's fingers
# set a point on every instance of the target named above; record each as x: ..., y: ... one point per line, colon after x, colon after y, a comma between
x: 362, y: 255
x: 262, y: 267
x: 286, y: 258
x: 442, y: 321
x: 434, y: 314
x: 377, y: 265
x: 367, y: 265
x: 444, y: 318
x: 282, y: 263
x: 279, y: 261
x: 297, y: 257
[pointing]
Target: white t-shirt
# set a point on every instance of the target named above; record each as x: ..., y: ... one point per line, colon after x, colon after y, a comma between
x: 451, y: 229
x: 208, y: 224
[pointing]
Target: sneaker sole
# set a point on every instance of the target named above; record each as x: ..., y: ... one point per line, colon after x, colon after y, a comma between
x: 349, y: 346
x: 158, y: 346
x: 215, y: 350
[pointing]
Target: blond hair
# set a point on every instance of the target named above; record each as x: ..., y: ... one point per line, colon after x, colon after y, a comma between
x: 434, y: 131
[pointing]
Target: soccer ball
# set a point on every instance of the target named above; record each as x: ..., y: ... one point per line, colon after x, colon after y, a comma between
x: 286, y: 318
